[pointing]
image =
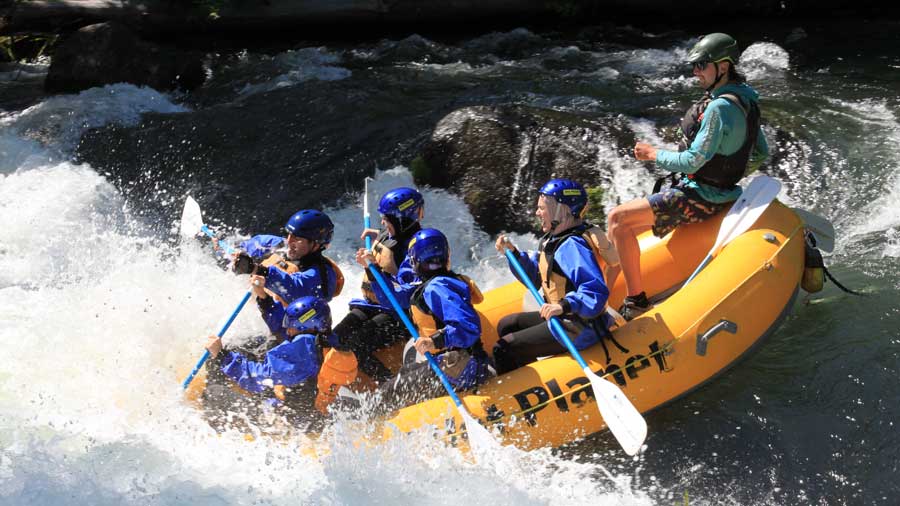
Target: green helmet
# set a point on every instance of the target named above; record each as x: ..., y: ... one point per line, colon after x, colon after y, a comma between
x: 715, y: 47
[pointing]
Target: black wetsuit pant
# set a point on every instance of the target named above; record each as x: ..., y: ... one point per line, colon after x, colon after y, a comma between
x: 366, y: 330
x: 523, y: 338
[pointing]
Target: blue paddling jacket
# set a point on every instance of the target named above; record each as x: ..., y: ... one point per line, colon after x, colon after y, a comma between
x: 316, y: 275
x: 289, y: 363
x: 567, y: 272
x: 442, y: 309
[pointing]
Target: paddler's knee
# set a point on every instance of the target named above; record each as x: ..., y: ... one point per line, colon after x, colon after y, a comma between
x: 503, y: 357
x: 339, y: 369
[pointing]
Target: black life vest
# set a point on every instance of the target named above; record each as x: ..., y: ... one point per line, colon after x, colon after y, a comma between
x: 721, y: 171
x: 555, y: 283
x: 389, y: 254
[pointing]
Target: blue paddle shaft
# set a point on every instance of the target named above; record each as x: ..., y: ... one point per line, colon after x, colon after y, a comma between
x: 221, y: 333
x: 702, y: 265
x: 228, y: 249
x: 412, y: 330
x: 555, y: 326
x: 367, y: 223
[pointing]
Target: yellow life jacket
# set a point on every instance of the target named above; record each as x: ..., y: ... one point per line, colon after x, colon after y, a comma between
x: 382, y: 250
x: 554, y: 284
x: 424, y: 319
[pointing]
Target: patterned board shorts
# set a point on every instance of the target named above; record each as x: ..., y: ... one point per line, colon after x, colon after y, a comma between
x: 673, y: 206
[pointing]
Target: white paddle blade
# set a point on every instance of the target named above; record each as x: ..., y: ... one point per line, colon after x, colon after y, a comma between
x: 366, y: 196
x: 481, y: 441
x: 747, y: 209
x: 191, y: 219
x: 621, y: 417
x: 821, y: 229
x: 742, y: 215
x: 618, y: 318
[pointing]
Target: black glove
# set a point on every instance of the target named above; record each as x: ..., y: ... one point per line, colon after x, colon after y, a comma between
x: 330, y: 341
x: 244, y: 264
x: 438, y: 339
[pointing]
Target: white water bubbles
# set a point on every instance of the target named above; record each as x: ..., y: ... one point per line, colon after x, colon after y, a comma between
x: 763, y: 59
x: 892, y: 248
x: 54, y: 223
x: 875, y: 196
x: 298, y: 66
x: 24, y: 72
x: 658, y: 70
x: 631, y: 179
x: 667, y: 69
x: 49, y: 131
x: 420, y: 468
x: 90, y: 380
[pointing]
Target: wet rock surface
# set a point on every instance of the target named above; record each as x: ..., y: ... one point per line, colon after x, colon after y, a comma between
x: 498, y: 157
x: 107, y: 53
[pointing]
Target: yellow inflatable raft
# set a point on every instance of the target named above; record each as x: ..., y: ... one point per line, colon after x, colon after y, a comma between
x: 687, y: 339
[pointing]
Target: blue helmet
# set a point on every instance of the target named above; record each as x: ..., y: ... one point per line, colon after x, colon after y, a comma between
x: 311, y: 224
x: 428, y: 249
x: 308, y: 314
x: 567, y: 192
x: 403, y: 203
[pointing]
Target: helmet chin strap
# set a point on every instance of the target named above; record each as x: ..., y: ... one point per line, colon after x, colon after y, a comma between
x: 559, y: 213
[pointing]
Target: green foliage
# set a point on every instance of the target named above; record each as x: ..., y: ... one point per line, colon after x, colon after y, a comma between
x: 6, y: 52
x: 420, y: 170
x: 595, y: 212
x: 28, y: 47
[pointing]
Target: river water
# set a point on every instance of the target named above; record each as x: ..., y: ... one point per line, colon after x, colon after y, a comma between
x: 102, y: 310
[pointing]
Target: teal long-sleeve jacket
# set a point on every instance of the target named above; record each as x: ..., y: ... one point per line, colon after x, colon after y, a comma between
x: 723, y: 130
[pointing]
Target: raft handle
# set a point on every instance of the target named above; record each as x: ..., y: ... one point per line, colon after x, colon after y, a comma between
x: 726, y: 325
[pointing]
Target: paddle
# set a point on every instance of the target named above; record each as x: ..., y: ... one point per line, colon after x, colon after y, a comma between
x: 620, y: 415
x: 367, y: 219
x: 820, y: 228
x: 742, y: 215
x: 480, y: 440
x: 205, y: 357
x: 191, y: 222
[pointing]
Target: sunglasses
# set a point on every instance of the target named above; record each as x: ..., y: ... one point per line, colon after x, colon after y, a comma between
x: 699, y: 65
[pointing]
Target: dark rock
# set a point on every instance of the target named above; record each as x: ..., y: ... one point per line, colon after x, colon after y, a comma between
x: 498, y: 157
x: 108, y: 53
x: 253, y: 162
